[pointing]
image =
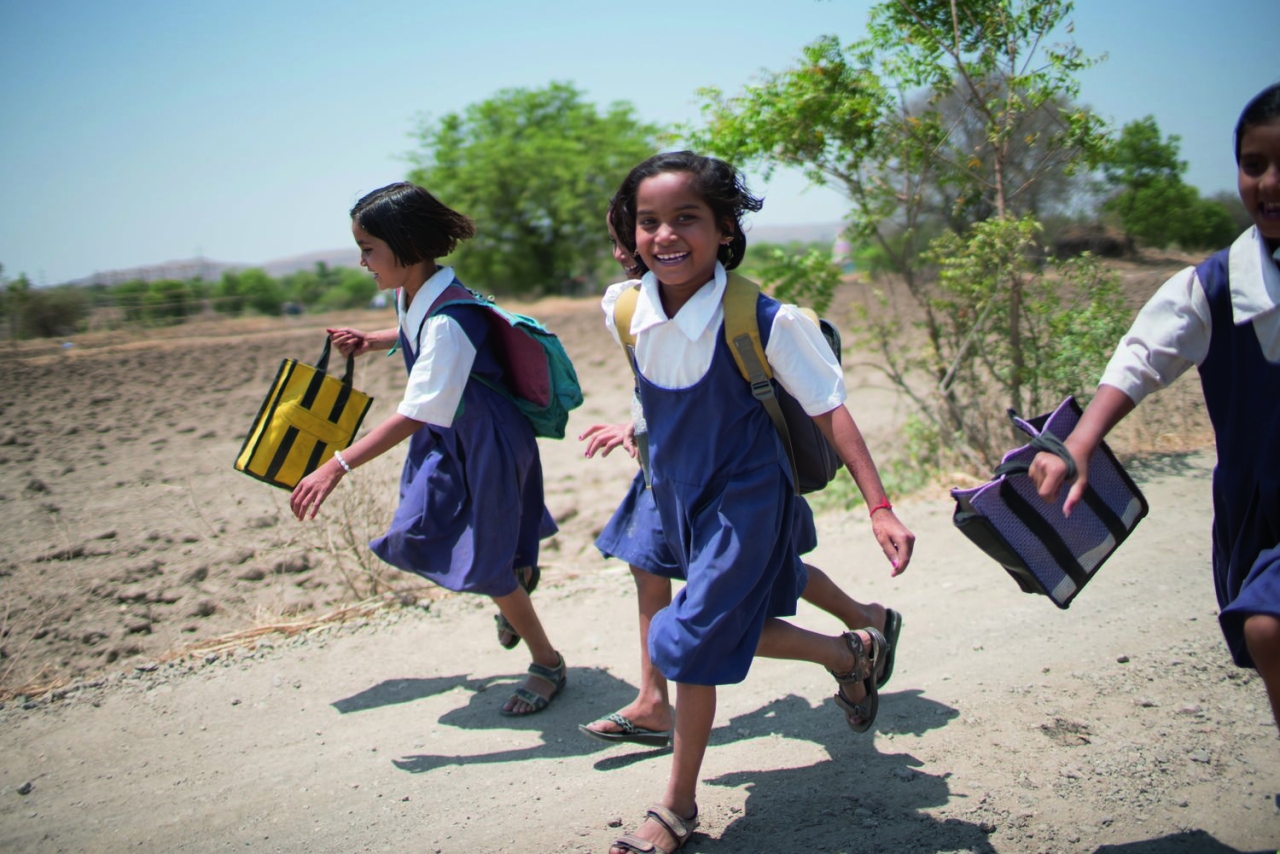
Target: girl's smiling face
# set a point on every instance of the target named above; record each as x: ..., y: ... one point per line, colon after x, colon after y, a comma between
x: 626, y: 261
x: 1259, y: 178
x: 677, y: 235
x: 376, y: 257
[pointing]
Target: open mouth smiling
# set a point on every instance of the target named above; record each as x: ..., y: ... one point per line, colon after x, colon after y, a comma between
x: 672, y: 257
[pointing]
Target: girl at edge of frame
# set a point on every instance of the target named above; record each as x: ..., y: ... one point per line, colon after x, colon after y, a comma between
x: 471, y: 509
x: 1223, y: 317
x: 720, y: 477
x: 634, y: 534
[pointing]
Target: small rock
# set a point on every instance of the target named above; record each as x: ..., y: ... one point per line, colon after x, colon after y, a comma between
x: 236, y: 701
x: 25, y: 788
x: 1200, y: 755
x: 615, y: 822
x: 147, y: 667
x: 1123, y: 659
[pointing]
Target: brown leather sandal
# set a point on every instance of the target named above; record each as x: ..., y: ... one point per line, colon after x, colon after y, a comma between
x: 860, y: 716
x: 679, y: 828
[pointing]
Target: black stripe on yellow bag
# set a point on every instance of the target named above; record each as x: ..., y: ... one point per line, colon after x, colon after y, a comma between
x: 307, y: 415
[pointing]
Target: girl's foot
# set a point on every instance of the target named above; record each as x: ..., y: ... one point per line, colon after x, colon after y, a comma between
x: 663, y: 831
x: 539, y: 689
x: 649, y: 717
x: 858, y: 696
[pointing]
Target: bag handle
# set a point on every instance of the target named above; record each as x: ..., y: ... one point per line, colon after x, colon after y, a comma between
x: 322, y: 364
x: 1043, y: 442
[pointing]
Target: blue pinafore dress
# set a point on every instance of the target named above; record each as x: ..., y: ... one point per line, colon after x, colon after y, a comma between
x: 722, y: 487
x: 1242, y: 394
x: 634, y: 533
x: 471, y: 502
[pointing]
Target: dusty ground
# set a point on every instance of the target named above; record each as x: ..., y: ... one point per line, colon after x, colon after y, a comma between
x: 171, y: 682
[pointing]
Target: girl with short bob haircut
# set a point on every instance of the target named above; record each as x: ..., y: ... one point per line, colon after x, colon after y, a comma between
x: 471, y: 507
x: 720, y: 477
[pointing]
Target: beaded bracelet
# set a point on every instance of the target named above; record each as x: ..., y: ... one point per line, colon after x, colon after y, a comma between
x: 883, y: 505
x: 337, y: 455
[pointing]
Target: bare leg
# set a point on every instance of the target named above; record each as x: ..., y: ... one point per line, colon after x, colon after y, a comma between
x: 1262, y: 637
x: 517, y: 607
x: 824, y: 593
x: 693, y: 730
x: 651, y: 709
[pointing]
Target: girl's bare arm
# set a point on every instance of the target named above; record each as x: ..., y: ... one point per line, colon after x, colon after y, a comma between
x: 1048, y: 471
x: 895, y: 539
x: 353, y: 342
x: 313, y: 489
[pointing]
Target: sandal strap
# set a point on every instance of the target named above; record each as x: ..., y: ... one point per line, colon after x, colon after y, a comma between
x: 633, y: 843
x: 553, y: 675
x: 678, y: 827
x: 624, y: 723
x: 861, y: 660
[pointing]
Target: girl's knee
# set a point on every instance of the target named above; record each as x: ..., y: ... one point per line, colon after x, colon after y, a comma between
x: 1262, y: 637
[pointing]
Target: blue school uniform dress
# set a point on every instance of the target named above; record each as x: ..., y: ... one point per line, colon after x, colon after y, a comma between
x: 1224, y: 317
x: 634, y: 534
x: 1242, y: 392
x: 471, y: 501
x: 721, y: 480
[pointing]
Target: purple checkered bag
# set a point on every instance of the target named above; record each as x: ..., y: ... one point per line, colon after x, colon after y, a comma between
x: 1043, y: 550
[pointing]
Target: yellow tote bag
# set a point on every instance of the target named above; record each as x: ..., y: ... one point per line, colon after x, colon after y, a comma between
x: 308, y: 414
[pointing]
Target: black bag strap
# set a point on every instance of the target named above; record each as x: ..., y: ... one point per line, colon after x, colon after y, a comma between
x: 1043, y: 442
x: 322, y: 364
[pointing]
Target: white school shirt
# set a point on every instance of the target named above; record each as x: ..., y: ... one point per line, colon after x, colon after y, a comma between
x: 1171, y: 333
x: 676, y: 352
x: 445, y: 356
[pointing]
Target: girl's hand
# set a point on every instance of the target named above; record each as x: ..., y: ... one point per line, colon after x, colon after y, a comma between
x: 1049, y: 471
x: 894, y: 538
x: 350, y: 342
x: 605, y: 437
x: 313, y: 489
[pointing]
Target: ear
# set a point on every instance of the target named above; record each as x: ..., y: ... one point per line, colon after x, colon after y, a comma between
x: 727, y: 232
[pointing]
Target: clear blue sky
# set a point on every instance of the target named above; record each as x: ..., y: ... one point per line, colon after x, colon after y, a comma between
x: 140, y: 131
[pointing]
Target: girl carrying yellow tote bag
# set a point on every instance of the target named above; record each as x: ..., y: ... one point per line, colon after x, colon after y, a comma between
x: 308, y: 414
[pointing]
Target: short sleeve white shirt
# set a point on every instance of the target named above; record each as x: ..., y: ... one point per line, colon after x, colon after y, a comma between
x: 444, y: 355
x: 1171, y: 333
x: 677, y: 352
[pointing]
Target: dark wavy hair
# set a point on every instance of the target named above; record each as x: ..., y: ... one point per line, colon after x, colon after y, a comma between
x: 719, y: 184
x: 415, y: 224
x: 1262, y: 109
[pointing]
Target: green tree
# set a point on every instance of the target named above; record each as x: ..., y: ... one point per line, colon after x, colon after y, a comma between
x: 533, y: 168
x: 251, y: 288
x: 1148, y: 198
x: 972, y: 104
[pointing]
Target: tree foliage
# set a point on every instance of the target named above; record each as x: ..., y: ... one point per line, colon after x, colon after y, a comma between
x: 1149, y: 199
x: 946, y: 127
x: 532, y: 167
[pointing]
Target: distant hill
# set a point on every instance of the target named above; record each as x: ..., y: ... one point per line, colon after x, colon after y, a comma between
x: 210, y: 270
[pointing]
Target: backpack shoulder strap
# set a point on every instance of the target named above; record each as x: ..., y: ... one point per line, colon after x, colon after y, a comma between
x: 623, y: 310
x: 742, y: 333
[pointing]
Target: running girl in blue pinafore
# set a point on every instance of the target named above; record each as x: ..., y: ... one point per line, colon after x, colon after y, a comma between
x: 1224, y: 317
x: 720, y: 477
x: 634, y: 534
x: 471, y: 508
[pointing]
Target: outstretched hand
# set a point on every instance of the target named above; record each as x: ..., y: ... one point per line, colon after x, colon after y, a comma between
x: 895, y: 540
x: 605, y: 437
x: 312, y: 490
x: 350, y: 342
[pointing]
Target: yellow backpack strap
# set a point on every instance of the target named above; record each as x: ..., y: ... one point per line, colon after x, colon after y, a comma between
x: 742, y: 333
x: 623, y: 310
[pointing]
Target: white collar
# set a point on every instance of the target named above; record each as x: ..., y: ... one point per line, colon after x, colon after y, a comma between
x: 692, y: 319
x: 423, y: 300
x: 1255, y: 278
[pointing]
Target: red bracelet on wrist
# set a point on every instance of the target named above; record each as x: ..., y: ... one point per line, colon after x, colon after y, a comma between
x: 883, y: 505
